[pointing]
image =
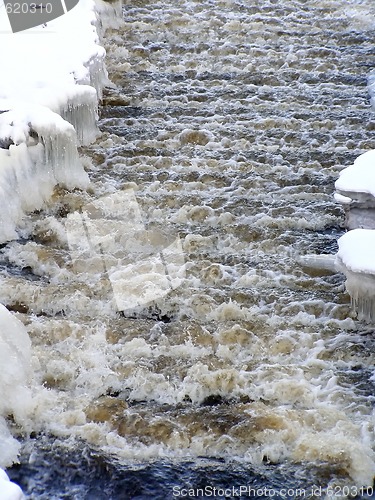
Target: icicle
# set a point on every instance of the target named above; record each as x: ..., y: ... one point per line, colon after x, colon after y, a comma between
x: 78, y: 104
x: 109, y: 14
x: 83, y: 118
x: 361, y: 288
x: 371, y: 87
x: 43, y: 154
x: 355, y: 260
x: 98, y: 74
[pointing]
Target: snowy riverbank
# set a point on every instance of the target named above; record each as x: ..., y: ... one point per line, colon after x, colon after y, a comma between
x: 51, y: 80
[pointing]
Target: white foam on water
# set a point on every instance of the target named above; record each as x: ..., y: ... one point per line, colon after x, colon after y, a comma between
x: 279, y: 351
x: 109, y: 237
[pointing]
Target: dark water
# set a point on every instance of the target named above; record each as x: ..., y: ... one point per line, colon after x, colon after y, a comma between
x: 53, y: 471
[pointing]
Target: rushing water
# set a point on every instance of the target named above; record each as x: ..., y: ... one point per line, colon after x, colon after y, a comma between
x: 226, y: 128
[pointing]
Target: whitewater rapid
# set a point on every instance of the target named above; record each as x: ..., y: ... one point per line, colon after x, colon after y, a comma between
x: 172, y: 311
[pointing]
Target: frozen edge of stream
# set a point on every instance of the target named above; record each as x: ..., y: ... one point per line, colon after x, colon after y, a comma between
x: 45, y: 115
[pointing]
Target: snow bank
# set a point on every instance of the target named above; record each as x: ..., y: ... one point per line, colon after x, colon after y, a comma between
x: 16, y: 400
x: 43, y: 65
x: 9, y: 490
x: 51, y: 79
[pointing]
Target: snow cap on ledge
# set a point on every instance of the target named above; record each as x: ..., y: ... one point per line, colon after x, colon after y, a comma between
x: 357, y: 250
x: 358, y: 178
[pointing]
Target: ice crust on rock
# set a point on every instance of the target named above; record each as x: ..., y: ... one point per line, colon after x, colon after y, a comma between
x: 357, y: 251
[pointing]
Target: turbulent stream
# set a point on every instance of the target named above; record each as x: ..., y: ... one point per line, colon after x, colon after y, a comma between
x: 231, y: 361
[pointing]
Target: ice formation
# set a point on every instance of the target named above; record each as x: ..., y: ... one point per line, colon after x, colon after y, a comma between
x: 355, y: 190
x: 356, y: 257
x: 51, y: 80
